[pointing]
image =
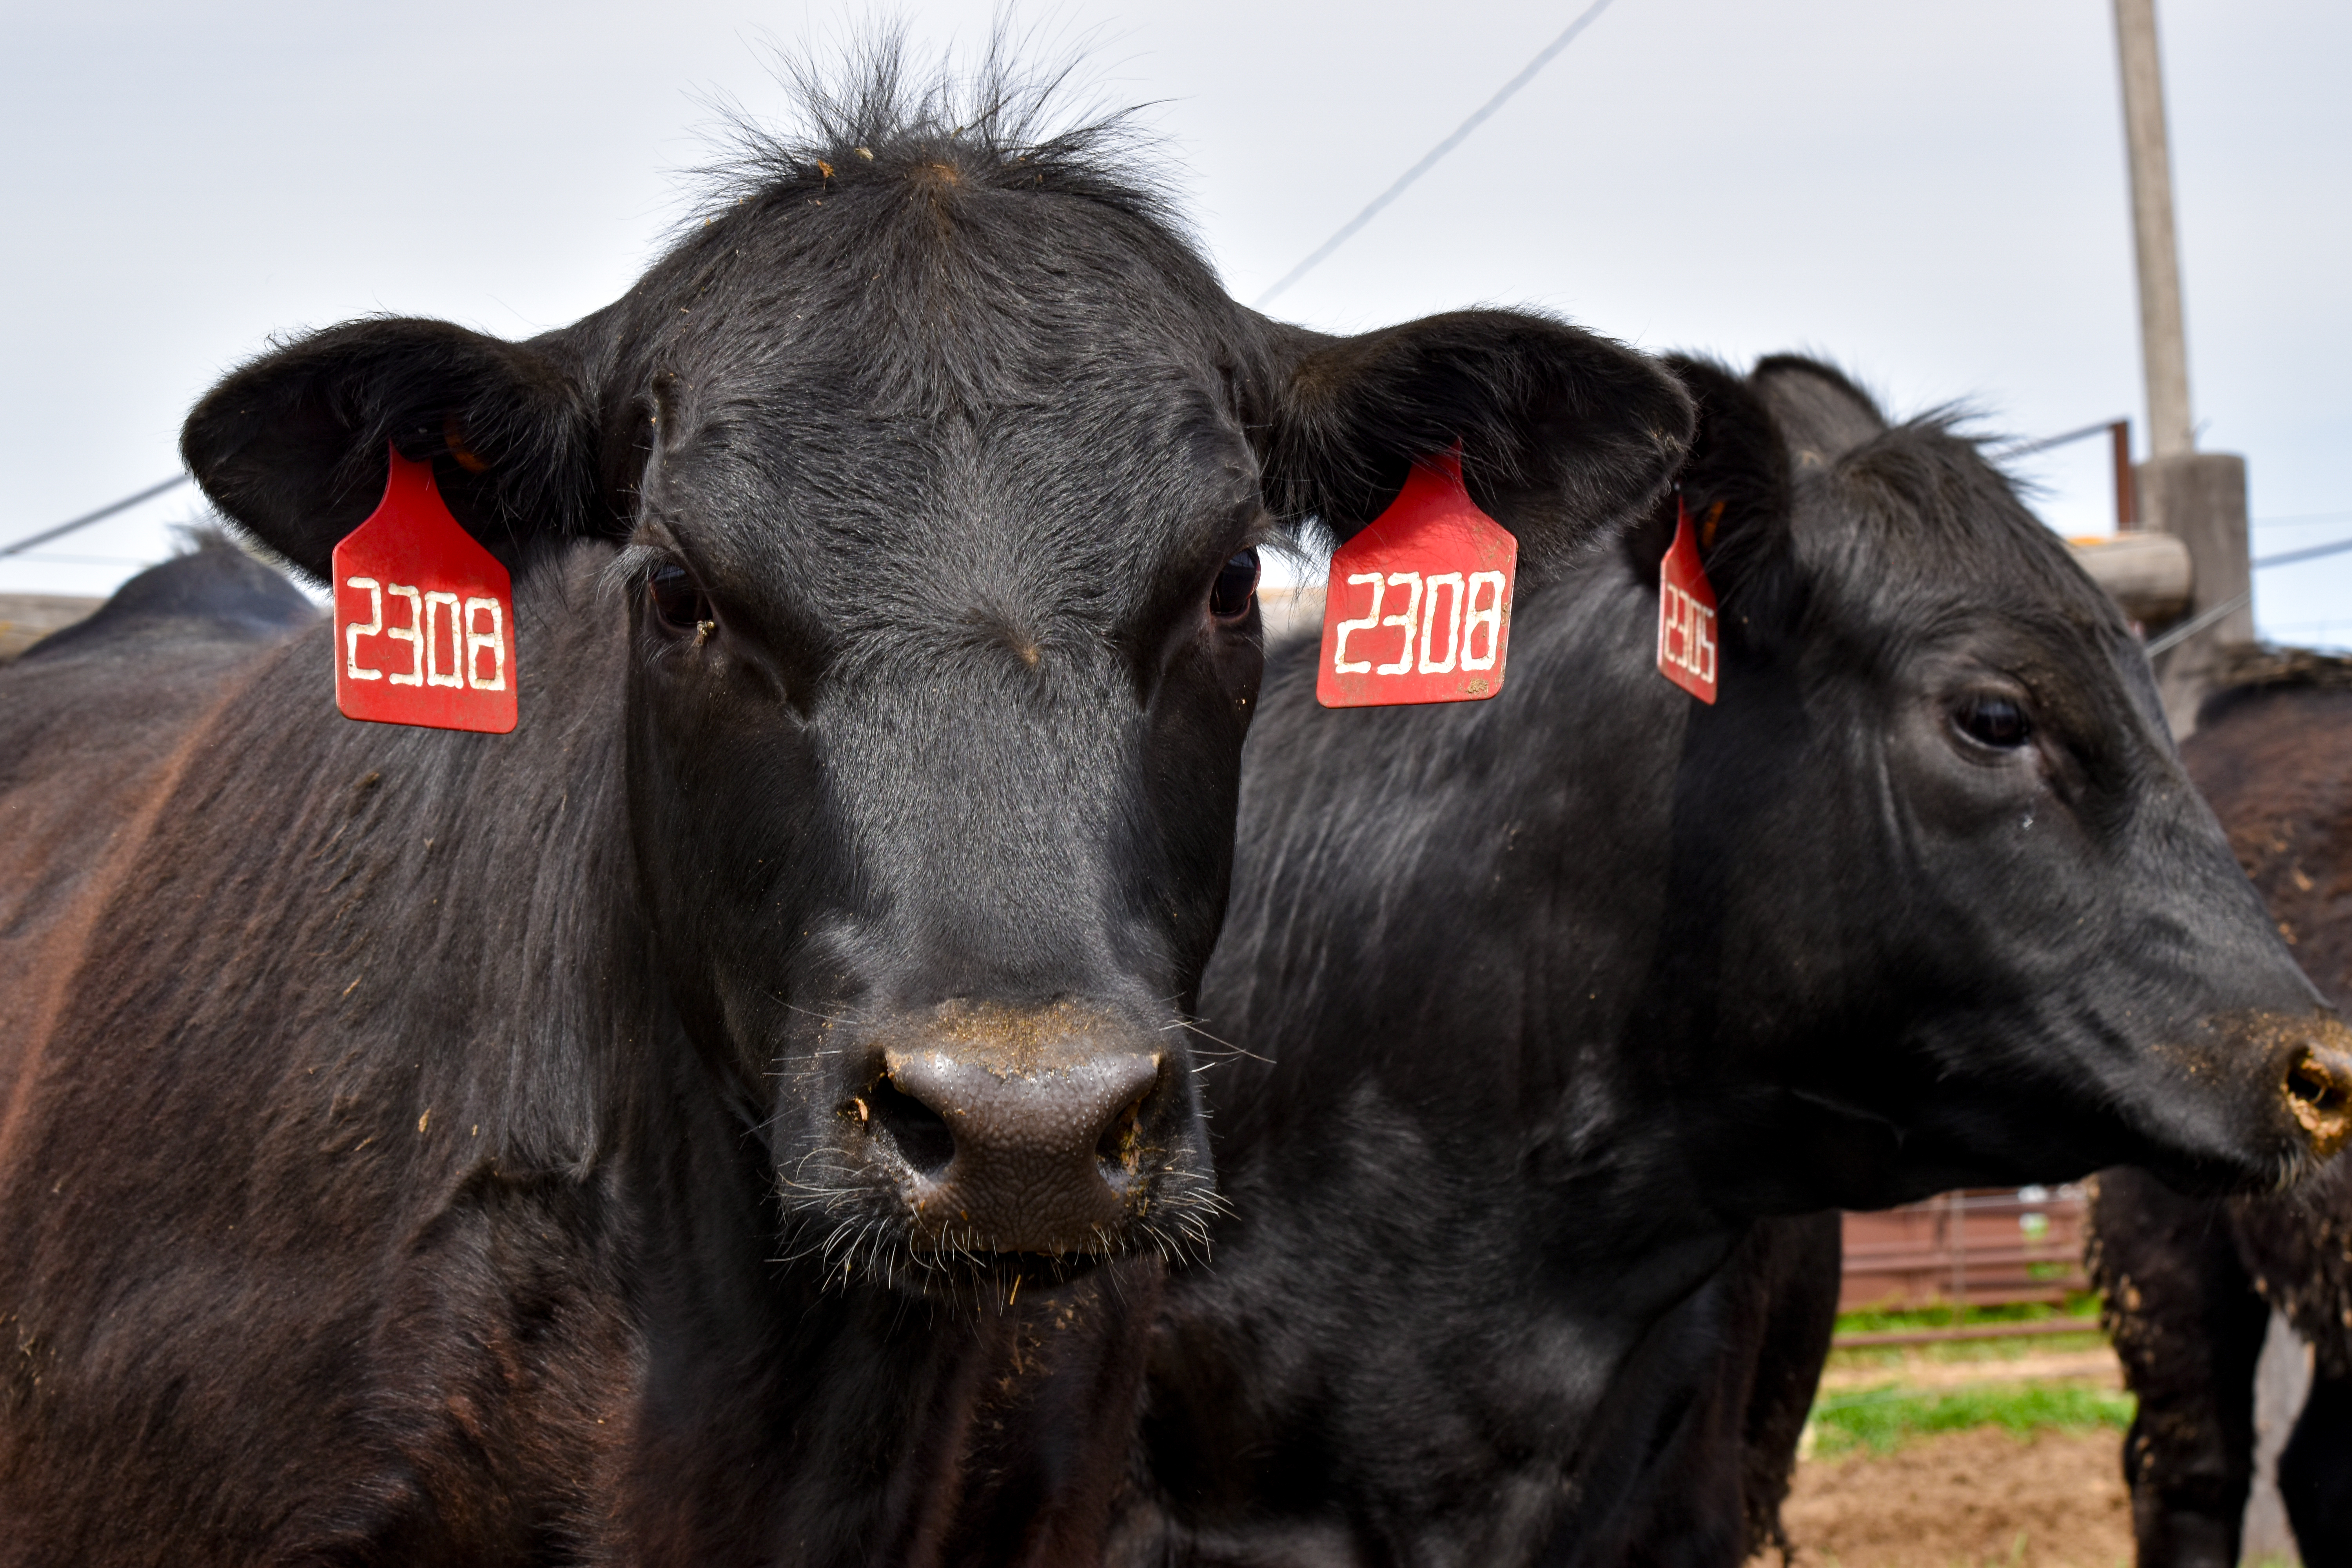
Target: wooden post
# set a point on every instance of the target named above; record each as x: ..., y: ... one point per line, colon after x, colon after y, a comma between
x: 2127, y: 511
x: 2199, y: 499
x: 2163, y: 346
x: 1959, y: 1256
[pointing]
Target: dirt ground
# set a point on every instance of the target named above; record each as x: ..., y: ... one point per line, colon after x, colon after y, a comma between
x: 1979, y: 1498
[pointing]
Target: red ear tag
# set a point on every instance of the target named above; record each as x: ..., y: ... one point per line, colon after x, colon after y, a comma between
x: 1686, y: 640
x: 1418, y: 608
x: 423, y: 615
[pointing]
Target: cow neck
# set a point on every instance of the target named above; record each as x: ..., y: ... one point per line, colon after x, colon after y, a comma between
x: 1492, y: 1143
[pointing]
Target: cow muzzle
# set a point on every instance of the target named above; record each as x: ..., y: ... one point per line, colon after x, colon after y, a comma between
x: 2249, y: 1101
x: 1024, y: 1131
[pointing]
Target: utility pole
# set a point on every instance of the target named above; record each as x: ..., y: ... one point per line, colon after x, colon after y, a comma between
x: 2163, y: 345
x: 2199, y: 497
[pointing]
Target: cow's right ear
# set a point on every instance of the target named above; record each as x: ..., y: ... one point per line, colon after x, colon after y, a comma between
x: 1734, y: 484
x: 1564, y: 435
x: 292, y: 446
x: 1821, y: 413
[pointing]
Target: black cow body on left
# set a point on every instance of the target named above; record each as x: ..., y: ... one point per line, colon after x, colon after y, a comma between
x: 1550, y: 1002
x: 704, y: 1124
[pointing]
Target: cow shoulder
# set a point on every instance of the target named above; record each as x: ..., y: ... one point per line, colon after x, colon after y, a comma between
x: 2273, y: 756
x: 95, y: 722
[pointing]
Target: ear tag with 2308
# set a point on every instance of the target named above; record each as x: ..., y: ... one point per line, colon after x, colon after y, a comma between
x: 1688, y: 644
x: 423, y: 615
x: 1418, y: 607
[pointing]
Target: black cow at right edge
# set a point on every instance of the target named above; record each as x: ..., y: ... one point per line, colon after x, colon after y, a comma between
x: 1563, y: 1014
x: 2191, y: 1281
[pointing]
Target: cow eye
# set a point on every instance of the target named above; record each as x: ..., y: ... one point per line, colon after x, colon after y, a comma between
x: 679, y: 604
x: 1229, y: 600
x: 1990, y: 721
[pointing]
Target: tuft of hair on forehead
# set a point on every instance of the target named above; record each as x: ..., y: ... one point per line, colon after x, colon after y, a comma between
x: 873, y: 114
x: 1926, y: 503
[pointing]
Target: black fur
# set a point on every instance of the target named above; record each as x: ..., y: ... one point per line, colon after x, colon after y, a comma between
x: 430, y: 1147
x: 2191, y: 1281
x: 1551, y: 1003
x: 214, y: 592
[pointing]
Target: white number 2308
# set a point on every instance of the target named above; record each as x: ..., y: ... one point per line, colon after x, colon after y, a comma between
x: 470, y: 643
x: 1464, y: 617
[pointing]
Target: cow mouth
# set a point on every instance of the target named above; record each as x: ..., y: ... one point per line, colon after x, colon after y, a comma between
x: 883, y: 1202
x: 874, y: 1235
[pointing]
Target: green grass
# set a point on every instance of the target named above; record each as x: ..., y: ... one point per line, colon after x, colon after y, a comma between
x: 2079, y: 1304
x: 1882, y: 1419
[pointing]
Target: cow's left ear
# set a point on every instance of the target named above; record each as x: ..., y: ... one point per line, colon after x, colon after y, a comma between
x: 292, y: 446
x: 1564, y: 435
x: 1734, y: 484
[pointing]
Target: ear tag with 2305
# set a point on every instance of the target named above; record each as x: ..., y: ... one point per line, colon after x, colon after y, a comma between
x: 1686, y: 620
x: 1418, y: 607
x: 423, y: 615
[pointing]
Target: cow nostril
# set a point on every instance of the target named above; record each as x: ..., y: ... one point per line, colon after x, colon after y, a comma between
x: 1117, y: 1148
x: 1047, y: 1151
x: 2319, y: 1092
x: 2310, y: 1081
x: 923, y: 1139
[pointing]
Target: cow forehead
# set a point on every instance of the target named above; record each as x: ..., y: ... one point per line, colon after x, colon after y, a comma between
x: 1088, y: 502
x: 1011, y: 404
x: 925, y: 307
x: 1918, y: 519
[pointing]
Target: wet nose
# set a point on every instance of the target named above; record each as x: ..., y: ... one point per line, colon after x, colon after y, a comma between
x: 2318, y: 1088
x: 1019, y: 1158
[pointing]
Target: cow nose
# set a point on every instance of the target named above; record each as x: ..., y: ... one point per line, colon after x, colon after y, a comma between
x: 1032, y: 1159
x: 2319, y: 1095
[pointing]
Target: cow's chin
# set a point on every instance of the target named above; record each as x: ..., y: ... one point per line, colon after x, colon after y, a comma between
x: 850, y: 1240
x: 2274, y: 1166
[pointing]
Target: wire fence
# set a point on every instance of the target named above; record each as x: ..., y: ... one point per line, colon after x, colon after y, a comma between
x: 1961, y: 1250
x: 110, y: 509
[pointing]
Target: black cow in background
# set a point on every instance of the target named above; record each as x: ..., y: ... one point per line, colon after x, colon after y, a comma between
x: 628, y: 1139
x: 1549, y: 1001
x: 2190, y: 1282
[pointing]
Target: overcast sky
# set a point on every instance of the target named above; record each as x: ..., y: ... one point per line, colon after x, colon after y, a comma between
x: 1932, y: 193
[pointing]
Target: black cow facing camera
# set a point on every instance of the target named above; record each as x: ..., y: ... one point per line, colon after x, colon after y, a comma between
x: 1555, y: 1005
x: 697, y: 1126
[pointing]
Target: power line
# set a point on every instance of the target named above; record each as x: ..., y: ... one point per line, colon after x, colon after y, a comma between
x: 2303, y: 520
x: 1348, y: 230
x: 2024, y: 448
x: 2310, y: 552
x: 86, y: 519
x: 2190, y: 627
